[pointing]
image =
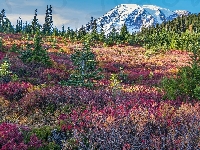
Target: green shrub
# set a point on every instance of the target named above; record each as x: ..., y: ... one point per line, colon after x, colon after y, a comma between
x: 115, y: 84
x: 14, y: 48
x: 5, y: 73
x: 187, y: 82
x: 43, y: 134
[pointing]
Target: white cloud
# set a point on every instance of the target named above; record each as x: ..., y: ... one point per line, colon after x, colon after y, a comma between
x: 58, y: 20
x: 62, y: 13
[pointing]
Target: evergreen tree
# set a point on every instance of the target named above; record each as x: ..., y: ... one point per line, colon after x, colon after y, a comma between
x: 18, y: 26
x: 38, y: 55
x: 5, y: 24
x: 68, y: 32
x: 35, y: 26
x: 63, y: 30
x: 91, y: 23
x: 94, y: 26
x: 123, y: 33
x: 26, y: 28
x: 102, y: 34
x: 94, y: 33
x: 81, y: 32
x: 55, y: 31
x: 86, y: 68
x: 2, y: 19
x: 47, y: 26
x: 7, y: 27
x: 88, y: 27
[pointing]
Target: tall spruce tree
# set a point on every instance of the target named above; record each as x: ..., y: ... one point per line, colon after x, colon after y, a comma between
x: 48, y: 25
x: 102, y: 34
x: 63, y: 30
x: 18, y: 26
x: 7, y: 27
x: 5, y: 24
x: 123, y: 33
x: 35, y: 26
x: 2, y: 19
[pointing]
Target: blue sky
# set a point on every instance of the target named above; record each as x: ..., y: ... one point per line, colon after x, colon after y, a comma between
x: 74, y: 13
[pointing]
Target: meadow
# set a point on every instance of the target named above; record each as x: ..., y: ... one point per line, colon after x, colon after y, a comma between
x: 129, y: 108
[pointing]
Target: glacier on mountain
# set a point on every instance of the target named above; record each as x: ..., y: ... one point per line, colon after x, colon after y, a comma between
x: 135, y: 17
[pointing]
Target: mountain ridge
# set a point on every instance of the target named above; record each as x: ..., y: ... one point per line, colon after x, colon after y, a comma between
x: 135, y: 17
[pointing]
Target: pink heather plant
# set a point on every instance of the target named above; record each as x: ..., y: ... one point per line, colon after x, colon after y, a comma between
x: 150, y: 124
x: 11, y: 137
x: 34, y: 142
x: 14, y: 90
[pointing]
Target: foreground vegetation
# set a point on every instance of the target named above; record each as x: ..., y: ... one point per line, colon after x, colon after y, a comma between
x: 137, y: 102
x: 77, y: 90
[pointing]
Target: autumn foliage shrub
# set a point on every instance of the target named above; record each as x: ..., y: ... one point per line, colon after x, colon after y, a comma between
x: 55, y: 75
x: 136, y: 74
x: 53, y: 97
x: 149, y: 125
x: 14, y: 90
x: 12, y: 137
x: 111, y: 67
x: 2, y: 55
x: 18, y: 67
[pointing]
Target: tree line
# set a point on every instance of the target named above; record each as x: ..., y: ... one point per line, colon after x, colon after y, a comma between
x: 178, y: 33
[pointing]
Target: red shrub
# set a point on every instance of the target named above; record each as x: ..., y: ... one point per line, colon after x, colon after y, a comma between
x: 14, y: 90
x: 112, y: 67
x: 11, y: 137
x: 55, y: 75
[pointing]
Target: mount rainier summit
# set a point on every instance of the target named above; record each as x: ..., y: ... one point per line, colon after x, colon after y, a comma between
x: 135, y: 17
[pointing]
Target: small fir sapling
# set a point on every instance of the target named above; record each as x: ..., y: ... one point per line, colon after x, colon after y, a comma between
x: 38, y: 55
x: 86, y: 68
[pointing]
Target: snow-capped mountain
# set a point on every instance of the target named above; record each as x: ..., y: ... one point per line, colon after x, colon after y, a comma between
x: 136, y: 16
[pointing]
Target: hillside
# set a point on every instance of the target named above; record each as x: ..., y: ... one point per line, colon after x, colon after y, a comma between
x: 37, y: 103
x: 84, y: 90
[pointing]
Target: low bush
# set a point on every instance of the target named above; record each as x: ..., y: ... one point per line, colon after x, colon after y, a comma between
x: 14, y: 91
x: 12, y: 137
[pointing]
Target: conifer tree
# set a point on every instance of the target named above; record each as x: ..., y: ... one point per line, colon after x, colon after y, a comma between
x: 91, y: 23
x: 7, y: 27
x: 19, y: 25
x: 5, y: 24
x: 63, y: 30
x: 123, y: 33
x: 102, y: 34
x: 94, y: 34
x: 47, y: 26
x: 35, y: 26
x: 38, y: 55
x: 81, y: 32
x: 88, y: 27
x: 2, y: 19
x: 68, y: 33
x: 86, y: 68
